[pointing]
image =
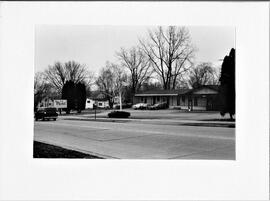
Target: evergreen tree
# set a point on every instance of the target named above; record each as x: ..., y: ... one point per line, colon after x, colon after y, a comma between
x: 75, y: 94
x: 227, y: 85
x: 68, y: 94
x: 80, y: 96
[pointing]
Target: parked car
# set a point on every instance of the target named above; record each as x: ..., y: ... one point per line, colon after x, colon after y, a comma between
x: 124, y: 105
x: 153, y: 107
x: 137, y: 106
x: 46, y: 113
x: 158, y: 106
x: 118, y: 114
x: 141, y: 106
x: 145, y: 106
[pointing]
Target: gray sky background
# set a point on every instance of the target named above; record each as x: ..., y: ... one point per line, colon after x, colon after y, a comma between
x: 94, y: 45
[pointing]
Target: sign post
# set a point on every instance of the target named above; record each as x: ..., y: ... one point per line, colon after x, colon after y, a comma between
x: 120, y: 99
x: 95, y: 107
x: 123, y: 84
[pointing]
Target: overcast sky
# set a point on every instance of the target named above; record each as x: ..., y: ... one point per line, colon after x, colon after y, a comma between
x: 94, y: 45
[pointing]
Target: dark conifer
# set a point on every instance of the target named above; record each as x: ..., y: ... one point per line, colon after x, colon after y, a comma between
x: 227, y: 85
x: 75, y: 94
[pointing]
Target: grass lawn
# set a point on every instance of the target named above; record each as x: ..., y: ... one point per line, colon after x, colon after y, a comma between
x: 86, y: 111
x: 42, y: 150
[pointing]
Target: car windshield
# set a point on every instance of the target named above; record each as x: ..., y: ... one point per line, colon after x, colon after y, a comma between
x: 50, y: 109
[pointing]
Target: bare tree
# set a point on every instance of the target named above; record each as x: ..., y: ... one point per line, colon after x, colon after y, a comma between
x: 151, y: 86
x: 42, y: 89
x: 56, y: 75
x: 110, y: 81
x: 182, y: 82
x: 59, y: 73
x: 138, y: 65
x: 170, y: 52
x: 38, y: 82
x: 203, y: 74
x: 75, y: 72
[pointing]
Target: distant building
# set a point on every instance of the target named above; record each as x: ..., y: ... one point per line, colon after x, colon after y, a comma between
x: 97, y: 98
x: 45, y: 102
x: 202, y: 98
x: 89, y: 104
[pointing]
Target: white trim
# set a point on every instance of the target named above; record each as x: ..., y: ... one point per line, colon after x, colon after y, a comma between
x: 156, y: 95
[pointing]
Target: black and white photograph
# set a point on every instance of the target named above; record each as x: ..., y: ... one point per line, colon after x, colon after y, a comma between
x: 134, y: 92
x: 134, y: 100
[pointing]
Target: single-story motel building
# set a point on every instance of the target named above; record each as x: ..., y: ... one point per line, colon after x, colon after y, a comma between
x: 202, y: 98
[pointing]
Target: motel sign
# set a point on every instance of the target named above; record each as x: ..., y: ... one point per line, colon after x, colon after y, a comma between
x: 60, y: 103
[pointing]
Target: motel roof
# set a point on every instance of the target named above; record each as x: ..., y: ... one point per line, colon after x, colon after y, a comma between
x: 214, y: 87
x: 174, y: 92
x: 163, y: 92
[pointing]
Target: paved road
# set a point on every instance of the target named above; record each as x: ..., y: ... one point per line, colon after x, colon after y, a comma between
x: 138, y: 140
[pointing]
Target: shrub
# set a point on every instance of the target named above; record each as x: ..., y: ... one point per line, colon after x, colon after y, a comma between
x: 118, y: 114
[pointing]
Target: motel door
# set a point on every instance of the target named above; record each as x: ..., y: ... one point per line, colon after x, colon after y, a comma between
x: 190, y: 104
x: 178, y: 100
x: 209, y: 104
x: 168, y: 100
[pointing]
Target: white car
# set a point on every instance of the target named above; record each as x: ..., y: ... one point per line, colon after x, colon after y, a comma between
x: 137, y: 106
x: 140, y: 106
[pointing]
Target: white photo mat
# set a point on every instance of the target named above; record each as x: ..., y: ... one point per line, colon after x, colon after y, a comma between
x: 22, y: 177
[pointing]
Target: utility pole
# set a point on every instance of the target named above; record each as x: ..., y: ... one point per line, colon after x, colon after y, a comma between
x: 120, y: 93
x: 95, y: 107
x: 95, y: 112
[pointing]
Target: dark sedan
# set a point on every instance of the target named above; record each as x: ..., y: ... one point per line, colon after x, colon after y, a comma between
x: 46, y: 113
x: 118, y: 114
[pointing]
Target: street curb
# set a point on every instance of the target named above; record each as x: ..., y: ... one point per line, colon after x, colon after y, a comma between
x: 176, y: 123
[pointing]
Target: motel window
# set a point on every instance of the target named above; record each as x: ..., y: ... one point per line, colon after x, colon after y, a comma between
x: 158, y: 99
x: 141, y: 99
x: 178, y: 100
x: 183, y: 98
x: 195, y: 101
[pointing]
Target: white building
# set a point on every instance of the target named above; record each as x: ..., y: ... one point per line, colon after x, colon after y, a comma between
x: 99, y: 100
x: 89, y: 103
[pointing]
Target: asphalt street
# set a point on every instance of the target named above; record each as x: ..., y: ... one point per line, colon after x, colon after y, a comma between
x: 138, y: 139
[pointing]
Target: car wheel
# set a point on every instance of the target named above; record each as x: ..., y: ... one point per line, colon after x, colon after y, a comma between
x: 54, y: 119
